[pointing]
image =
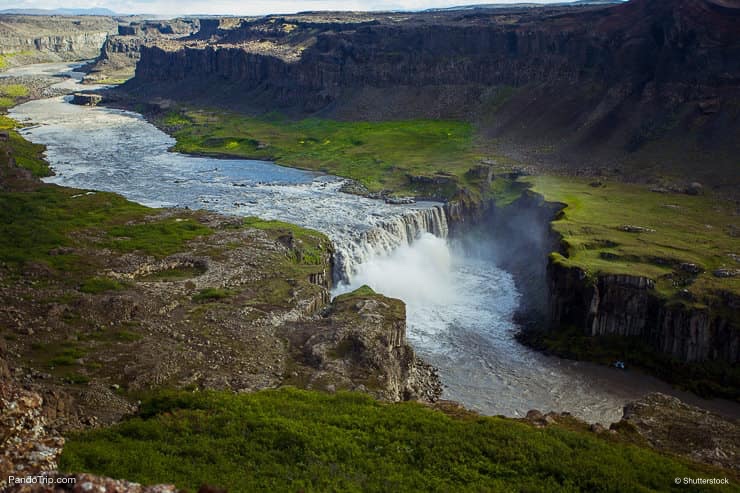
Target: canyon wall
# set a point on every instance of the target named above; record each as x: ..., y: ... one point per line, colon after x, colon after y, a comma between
x: 589, y: 86
x: 557, y: 296
x: 120, y: 53
x: 624, y: 305
x: 30, y: 38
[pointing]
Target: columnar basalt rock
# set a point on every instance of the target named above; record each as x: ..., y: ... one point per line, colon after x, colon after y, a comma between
x: 625, y: 305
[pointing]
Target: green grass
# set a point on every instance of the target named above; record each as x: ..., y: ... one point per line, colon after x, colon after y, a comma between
x: 26, y: 154
x: 291, y: 440
x: 11, y: 93
x: 67, y: 357
x: 13, y: 90
x: 308, y: 247
x: 687, y: 229
x: 5, y: 56
x: 97, y: 285
x: 34, y: 224
x: 380, y: 155
x: 159, y: 238
x: 361, y: 292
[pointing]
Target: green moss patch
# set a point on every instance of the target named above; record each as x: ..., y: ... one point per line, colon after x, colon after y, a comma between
x: 212, y: 294
x: 307, y: 247
x: 49, y: 224
x: 291, y: 440
x: 26, y: 154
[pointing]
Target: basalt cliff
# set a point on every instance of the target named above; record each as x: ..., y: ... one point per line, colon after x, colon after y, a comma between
x: 33, y: 39
x: 610, y: 87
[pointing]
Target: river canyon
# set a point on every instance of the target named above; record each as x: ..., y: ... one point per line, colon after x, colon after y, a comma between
x: 460, y: 304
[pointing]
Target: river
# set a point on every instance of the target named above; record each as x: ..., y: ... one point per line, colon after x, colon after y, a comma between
x: 460, y: 308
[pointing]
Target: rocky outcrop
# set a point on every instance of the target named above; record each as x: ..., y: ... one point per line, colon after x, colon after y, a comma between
x: 672, y: 426
x: 666, y: 424
x: 84, y: 99
x: 27, y: 447
x: 360, y: 344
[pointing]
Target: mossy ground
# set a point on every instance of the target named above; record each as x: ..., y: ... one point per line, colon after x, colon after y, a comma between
x: 291, y: 440
x: 36, y: 226
x: 701, y: 230
x: 26, y: 154
x: 10, y: 93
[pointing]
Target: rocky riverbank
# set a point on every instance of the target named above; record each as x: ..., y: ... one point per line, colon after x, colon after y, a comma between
x: 118, y: 298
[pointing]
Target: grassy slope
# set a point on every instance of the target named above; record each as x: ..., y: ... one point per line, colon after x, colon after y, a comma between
x: 33, y: 224
x: 291, y: 440
x: 26, y: 154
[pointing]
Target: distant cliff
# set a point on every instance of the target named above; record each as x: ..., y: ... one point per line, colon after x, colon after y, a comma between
x: 120, y: 53
x: 612, y: 80
x: 31, y: 38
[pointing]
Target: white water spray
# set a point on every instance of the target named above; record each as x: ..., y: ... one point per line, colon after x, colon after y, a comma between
x: 418, y: 273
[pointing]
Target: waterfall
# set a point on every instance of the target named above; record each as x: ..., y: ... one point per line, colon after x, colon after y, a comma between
x: 385, y: 237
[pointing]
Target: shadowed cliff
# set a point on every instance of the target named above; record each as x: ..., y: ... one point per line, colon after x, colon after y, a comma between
x: 642, y: 88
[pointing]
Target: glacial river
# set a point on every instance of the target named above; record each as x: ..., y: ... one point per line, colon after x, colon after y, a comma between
x: 460, y: 308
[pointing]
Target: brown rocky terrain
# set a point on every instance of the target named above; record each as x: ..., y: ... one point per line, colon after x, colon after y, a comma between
x: 643, y: 88
x: 672, y: 426
x: 668, y: 425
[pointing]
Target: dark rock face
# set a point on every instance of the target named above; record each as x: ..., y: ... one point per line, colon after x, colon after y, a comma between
x: 639, y: 46
x: 86, y: 99
x: 360, y: 344
x: 594, y: 84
